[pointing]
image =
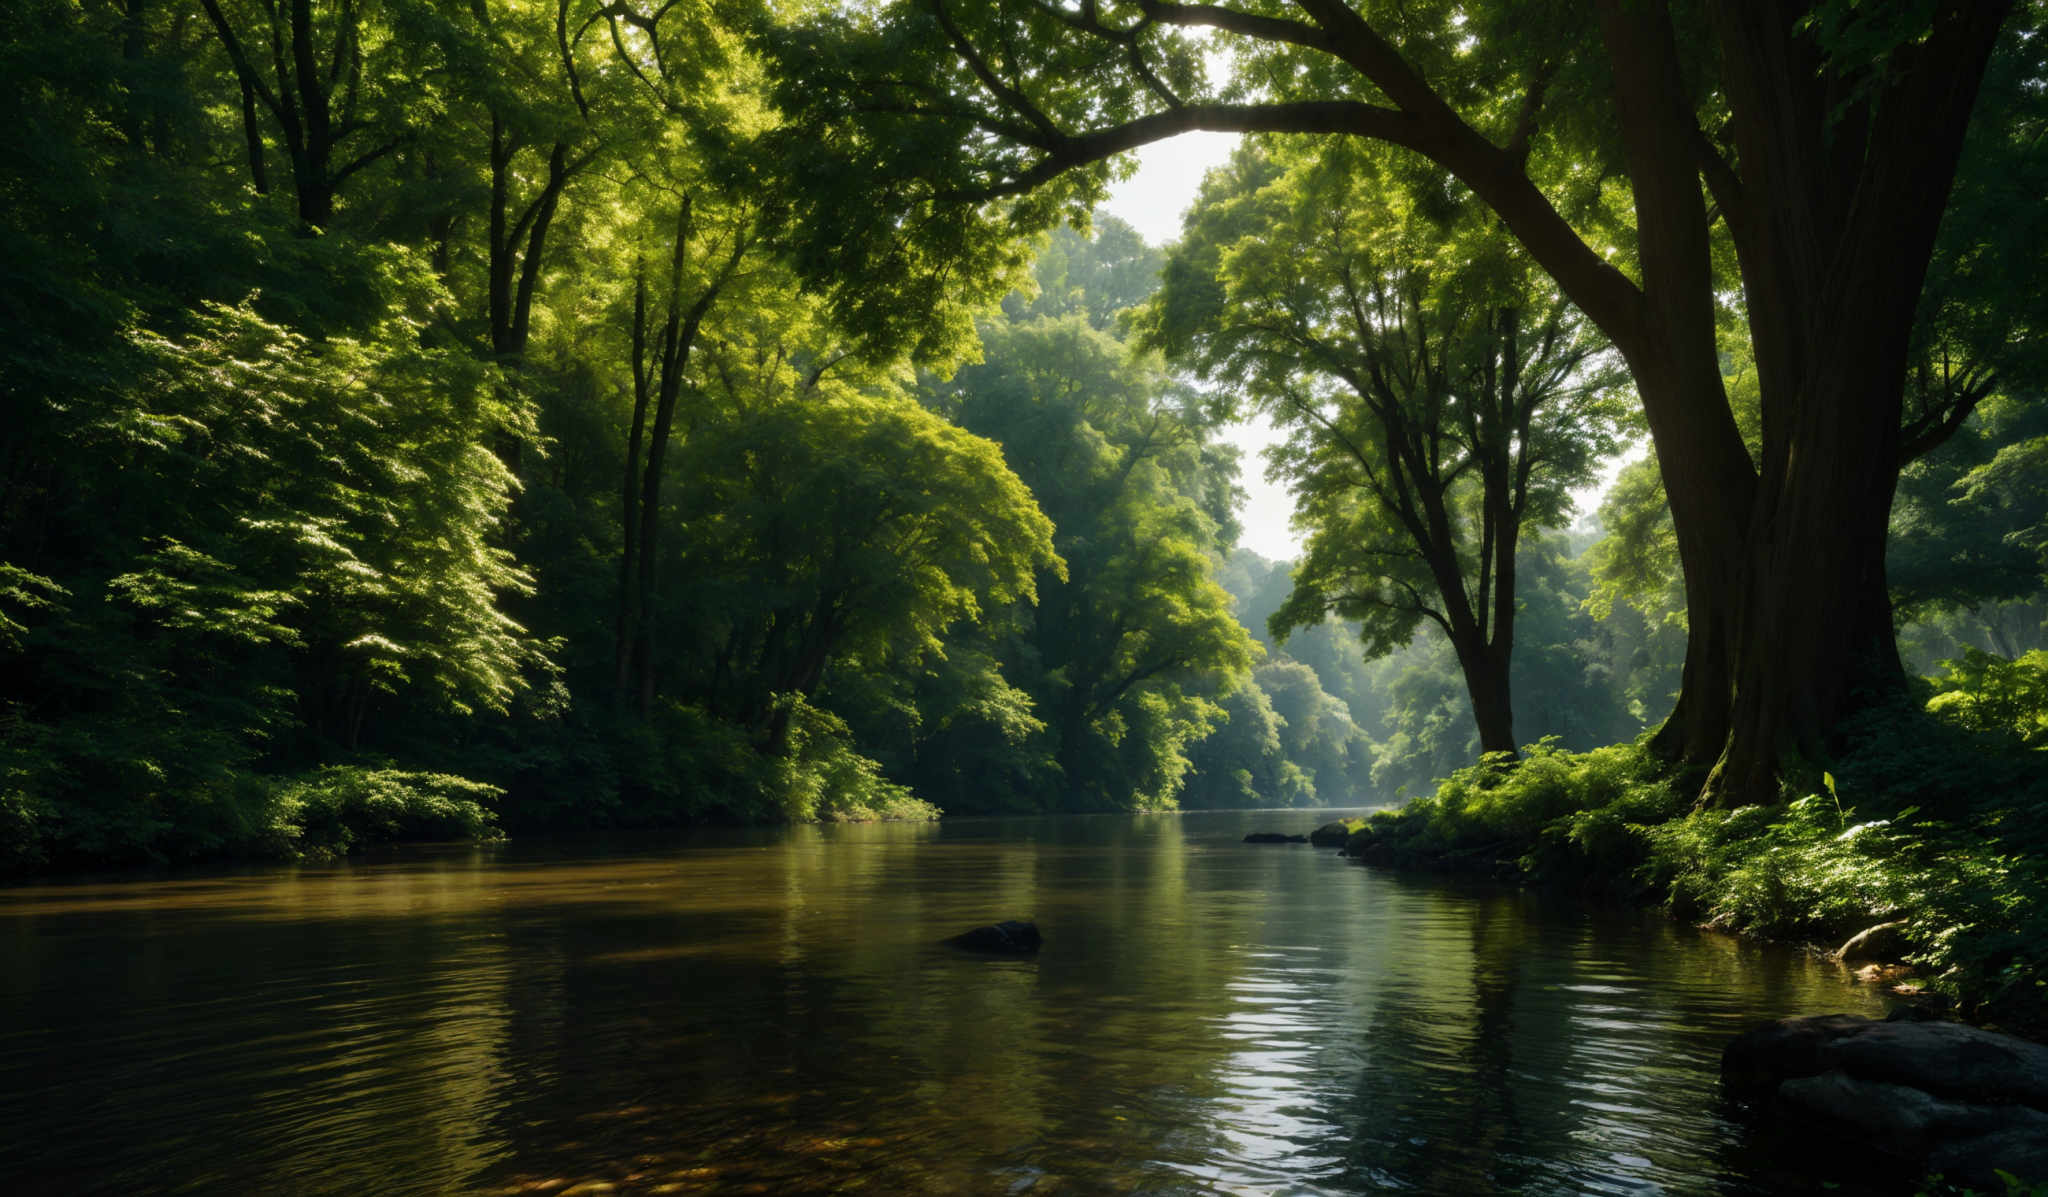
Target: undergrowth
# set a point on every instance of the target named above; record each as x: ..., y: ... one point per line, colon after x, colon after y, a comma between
x: 1927, y: 817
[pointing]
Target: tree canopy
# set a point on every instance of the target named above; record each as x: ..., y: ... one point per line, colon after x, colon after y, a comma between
x: 1617, y: 143
x: 584, y: 415
x: 1439, y: 398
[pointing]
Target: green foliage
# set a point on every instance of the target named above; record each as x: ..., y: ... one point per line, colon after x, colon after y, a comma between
x: 361, y: 502
x: 1802, y: 870
x: 1813, y: 869
x: 850, y: 526
x: 1582, y: 680
x: 1128, y: 656
x: 1552, y: 815
x: 1439, y: 399
x: 823, y: 778
x: 310, y: 816
x: 27, y: 594
x: 1984, y: 693
x: 331, y: 810
x: 1636, y: 559
x: 1100, y: 276
x: 1965, y: 870
x: 1965, y: 531
x: 687, y: 763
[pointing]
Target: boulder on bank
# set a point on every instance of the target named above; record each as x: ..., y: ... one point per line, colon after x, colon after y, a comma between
x: 1274, y: 837
x: 1883, y: 944
x: 1940, y: 1095
x: 1008, y: 938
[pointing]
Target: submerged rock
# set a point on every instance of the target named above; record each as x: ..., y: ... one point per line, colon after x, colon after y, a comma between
x: 1274, y: 837
x: 1008, y: 938
x: 1967, y: 1102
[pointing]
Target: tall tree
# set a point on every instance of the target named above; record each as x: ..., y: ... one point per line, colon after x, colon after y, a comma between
x: 1439, y: 397
x: 1823, y: 137
x: 668, y: 317
x: 842, y: 526
x: 1120, y: 655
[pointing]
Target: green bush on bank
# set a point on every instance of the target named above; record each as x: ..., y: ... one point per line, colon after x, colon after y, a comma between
x: 1551, y: 815
x: 1989, y: 694
x: 1934, y: 822
x: 823, y: 779
x: 683, y: 764
x: 316, y: 815
x: 329, y: 811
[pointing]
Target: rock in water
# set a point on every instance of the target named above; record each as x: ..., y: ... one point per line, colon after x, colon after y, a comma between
x: 1008, y: 938
x: 1968, y: 1102
x: 1333, y: 835
x: 1274, y: 837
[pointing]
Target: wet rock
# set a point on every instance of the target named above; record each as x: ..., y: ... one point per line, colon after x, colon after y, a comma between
x: 1756, y: 1061
x: 1909, y: 1121
x: 1882, y: 944
x: 1274, y: 837
x: 1957, y: 1099
x: 1008, y: 938
x: 1978, y: 1160
x: 1946, y: 1058
x: 1367, y: 848
x: 1332, y: 835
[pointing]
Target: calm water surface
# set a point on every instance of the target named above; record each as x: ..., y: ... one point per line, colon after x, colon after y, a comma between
x: 768, y: 1012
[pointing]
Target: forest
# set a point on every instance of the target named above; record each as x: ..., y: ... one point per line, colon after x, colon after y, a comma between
x: 432, y: 419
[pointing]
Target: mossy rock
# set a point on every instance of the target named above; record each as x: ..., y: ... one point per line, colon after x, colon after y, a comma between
x: 1335, y: 835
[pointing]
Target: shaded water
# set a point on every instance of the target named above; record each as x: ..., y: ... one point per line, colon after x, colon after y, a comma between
x: 768, y: 1012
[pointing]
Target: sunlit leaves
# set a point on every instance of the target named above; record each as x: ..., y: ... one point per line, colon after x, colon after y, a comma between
x: 1418, y: 362
x: 852, y: 527
x: 1124, y: 656
x: 343, y: 498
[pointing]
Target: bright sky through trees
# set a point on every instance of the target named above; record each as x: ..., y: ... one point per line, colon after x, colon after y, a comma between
x: 1152, y: 201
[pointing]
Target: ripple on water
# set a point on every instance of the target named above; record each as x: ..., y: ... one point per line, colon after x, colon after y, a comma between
x: 774, y: 1014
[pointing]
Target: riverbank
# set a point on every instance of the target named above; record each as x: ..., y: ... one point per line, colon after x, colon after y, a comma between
x: 330, y: 813
x: 1941, y: 863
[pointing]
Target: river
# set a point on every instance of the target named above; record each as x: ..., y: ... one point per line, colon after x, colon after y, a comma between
x: 770, y: 1012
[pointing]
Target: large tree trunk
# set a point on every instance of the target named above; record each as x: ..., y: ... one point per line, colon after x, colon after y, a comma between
x: 1709, y: 483
x: 1833, y: 204
x: 1486, y: 682
x: 1816, y: 635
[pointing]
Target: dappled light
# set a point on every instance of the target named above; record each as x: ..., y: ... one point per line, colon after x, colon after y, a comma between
x: 530, y: 531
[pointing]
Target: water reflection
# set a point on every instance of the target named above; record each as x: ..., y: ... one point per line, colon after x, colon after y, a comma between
x: 770, y: 1013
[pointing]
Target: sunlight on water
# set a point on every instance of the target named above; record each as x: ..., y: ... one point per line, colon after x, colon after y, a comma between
x: 772, y: 1012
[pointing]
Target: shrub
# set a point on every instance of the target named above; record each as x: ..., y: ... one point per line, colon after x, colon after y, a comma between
x: 1990, y: 694
x: 823, y: 778
x: 1551, y: 815
x: 329, y: 811
x: 1813, y: 867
